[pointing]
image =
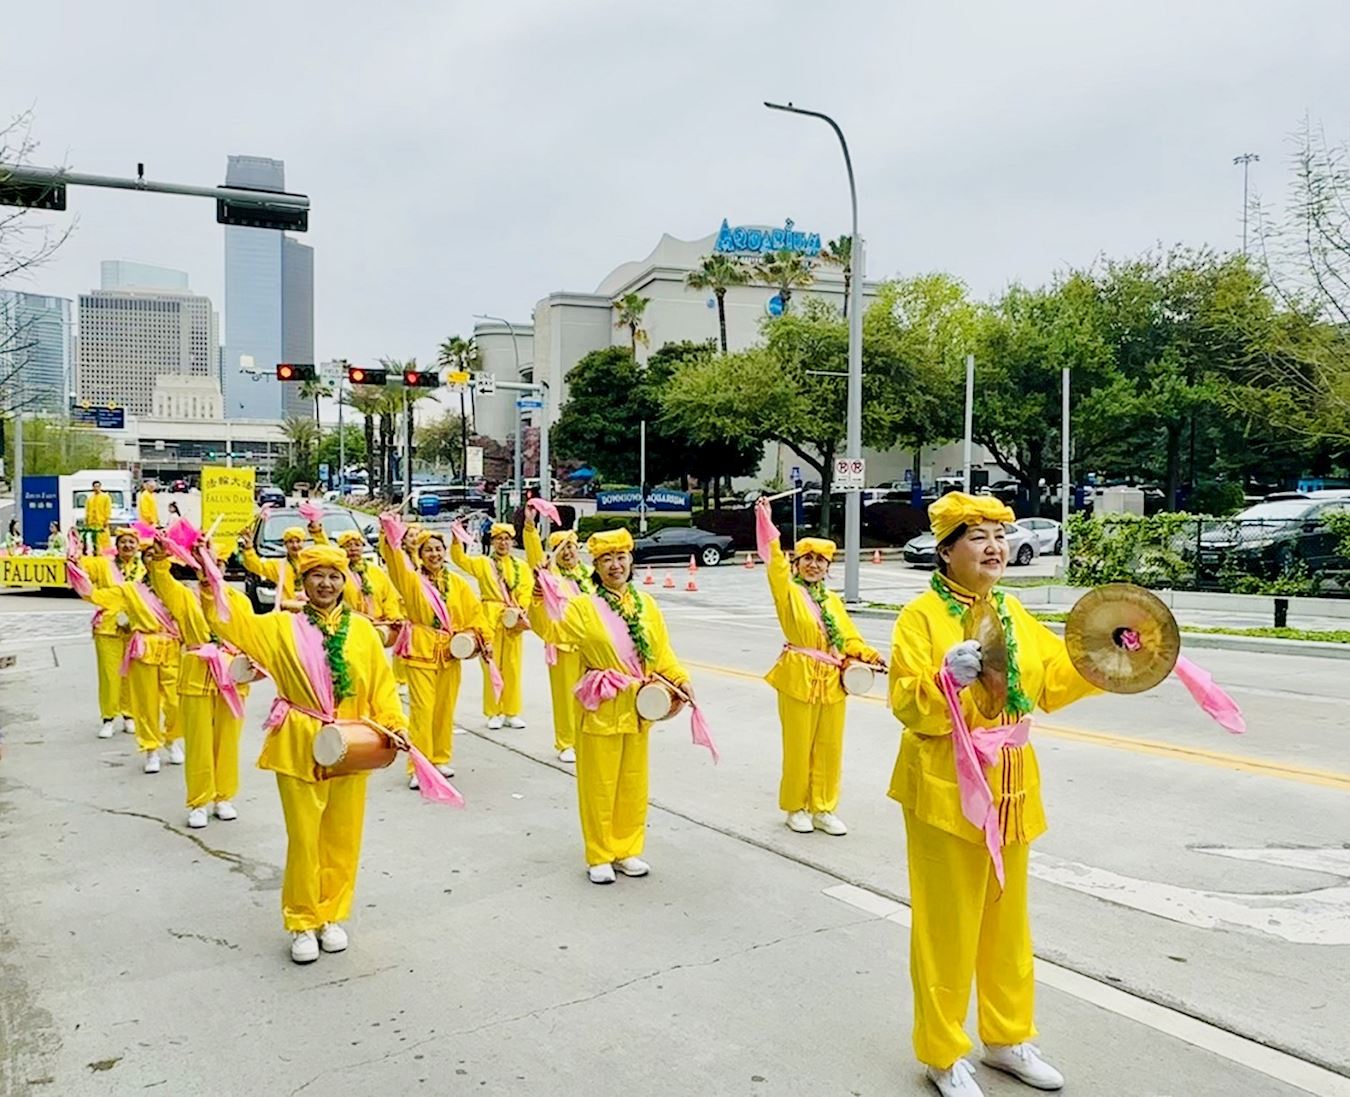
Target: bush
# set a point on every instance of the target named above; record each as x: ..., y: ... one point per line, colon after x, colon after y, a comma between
x: 1125, y: 548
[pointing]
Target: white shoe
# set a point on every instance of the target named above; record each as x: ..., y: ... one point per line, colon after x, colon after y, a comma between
x: 515, y: 722
x: 197, y: 818
x: 830, y: 823
x: 601, y: 874
x: 225, y: 811
x: 128, y: 725
x: 152, y: 761
x: 800, y: 821
x: 333, y: 938
x: 304, y: 947
x: 567, y: 754
x: 445, y: 769
x: 413, y: 782
x: 1024, y: 1062
x: 460, y: 731
x: 958, y: 1080
x: 176, y: 755
x: 633, y: 866
x: 106, y: 731
x: 494, y: 723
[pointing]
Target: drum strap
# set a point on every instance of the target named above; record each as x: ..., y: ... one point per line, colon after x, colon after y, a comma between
x: 827, y: 657
x: 218, y: 662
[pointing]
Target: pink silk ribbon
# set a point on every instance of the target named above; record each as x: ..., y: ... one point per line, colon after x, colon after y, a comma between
x: 214, y: 579
x: 975, y: 749
x: 827, y: 657
x: 310, y: 512
x: 551, y: 655
x: 80, y: 583
x: 431, y: 783
x: 1201, y: 685
x: 394, y: 530
x: 555, y: 604
x: 157, y: 609
x: 309, y: 647
x: 460, y: 534
x: 134, y: 650
x: 547, y: 509
x: 144, y: 530
x: 403, y: 641
x: 766, y: 533
x: 217, y: 660
x: 598, y: 686
x: 436, y: 602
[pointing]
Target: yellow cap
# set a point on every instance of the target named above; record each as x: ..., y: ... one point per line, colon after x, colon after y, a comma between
x: 502, y: 528
x: 821, y: 546
x: 557, y: 537
x: 422, y: 536
x: 321, y: 556
x: 128, y: 531
x: 956, y: 508
x: 293, y: 533
x: 350, y: 537
x: 610, y: 540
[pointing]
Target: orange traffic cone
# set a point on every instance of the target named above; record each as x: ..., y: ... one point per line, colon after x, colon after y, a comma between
x: 876, y: 556
x: 647, y: 579
x: 691, y: 585
x: 693, y: 567
x: 669, y: 584
x: 750, y: 560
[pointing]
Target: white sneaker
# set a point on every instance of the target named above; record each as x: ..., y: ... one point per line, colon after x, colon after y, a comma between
x: 128, y: 725
x: 1024, y: 1062
x: 515, y: 722
x: 197, y: 818
x: 304, y: 947
x: 152, y: 761
x: 445, y: 769
x: 567, y: 754
x: 633, y: 866
x: 106, y: 731
x: 333, y: 938
x: 601, y: 874
x: 494, y: 723
x: 800, y: 821
x: 225, y: 811
x: 413, y: 782
x: 958, y: 1080
x: 460, y: 731
x: 176, y: 755
x: 830, y: 823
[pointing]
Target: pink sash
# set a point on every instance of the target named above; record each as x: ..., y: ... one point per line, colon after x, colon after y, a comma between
x: 827, y: 657
x: 134, y: 650
x: 313, y: 661
x: 436, y: 602
x: 508, y: 595
x: 157, y: 609
x: 218, y: 661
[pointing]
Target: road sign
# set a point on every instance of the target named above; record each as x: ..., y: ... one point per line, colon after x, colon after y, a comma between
x: 850, y: 474
x: 486, y: 384
x: 104, y: 418
x: 796, y: 473
x: 323, y: 472
x: 457, y: 377
x: 529, y: 403
x: 475, y: 462
x: 774, y: 305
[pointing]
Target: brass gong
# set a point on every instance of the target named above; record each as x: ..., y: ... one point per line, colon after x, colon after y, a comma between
x: 1098, y: 632
x: 990, y: 690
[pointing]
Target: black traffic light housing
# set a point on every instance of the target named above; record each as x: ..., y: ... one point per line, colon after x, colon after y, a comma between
x: 295, y: 371
x: 260, y: 214
x: 421, y: 379
x: 362, y: 375
x: 32, y: 195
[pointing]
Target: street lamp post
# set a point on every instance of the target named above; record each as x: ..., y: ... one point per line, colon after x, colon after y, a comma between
x: 1246, y: 160
x: 853, y: 426
x: 518, y: 468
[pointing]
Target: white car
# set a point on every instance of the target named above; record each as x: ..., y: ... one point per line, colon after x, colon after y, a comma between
x: 1049, y: 536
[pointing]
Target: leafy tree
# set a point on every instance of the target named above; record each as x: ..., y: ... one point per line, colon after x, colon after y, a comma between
x: 353, y: 446
x: 312, y: 390
x: 460, y: 354
x: 52, y: 447
x: 839, y: 253
x: 786, y: 271
x: 609, y: 396
x: 366, y: 401
x: 718, y: 273
x: 302, y: 435
x: 440, y: 442
x: 629, y: 310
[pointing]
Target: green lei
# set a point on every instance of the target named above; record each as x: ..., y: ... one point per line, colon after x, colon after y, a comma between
x: 633, y: 620
x: 1019, y: 704
x: 580, y: 576
x: 333, y: 644
x: 441, y: 581
x: 515, y: 572
x: 359, y: 569
x: 133, y: 572
x: 818, y: 594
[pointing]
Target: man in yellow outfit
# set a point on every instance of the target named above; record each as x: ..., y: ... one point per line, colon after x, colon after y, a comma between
x: 147, y: 506
x: 563, y: 561
x: 150, y: 663
x: 964, y: 924
x: 369, y: 589
x: 432, y: 672
x: 811, y: 698
x: 328, y: 664
x: 98, y: 515
x: 505, y: 586
x: 612, y: 739
x: 283, y: 574
x: 210, y: 706
x: 110, y: 636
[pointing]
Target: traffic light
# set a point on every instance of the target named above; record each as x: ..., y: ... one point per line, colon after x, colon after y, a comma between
x: 33, y: 195
x: 295, y: 371
x: 421, y: 379
x: 260, y: 214
x: 360, y: 375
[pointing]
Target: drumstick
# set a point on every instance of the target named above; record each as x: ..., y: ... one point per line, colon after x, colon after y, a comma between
x: 780, y: 495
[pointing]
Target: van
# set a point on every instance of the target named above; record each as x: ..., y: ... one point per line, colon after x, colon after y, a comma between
x: 76, y: 488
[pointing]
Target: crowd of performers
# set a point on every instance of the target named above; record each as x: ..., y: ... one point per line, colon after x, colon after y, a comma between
x: 346, y: 630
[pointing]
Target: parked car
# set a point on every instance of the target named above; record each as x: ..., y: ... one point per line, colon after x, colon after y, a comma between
x: 1271, y: 537
x: 267, y: 542
x: 179, y: 486
x: 1022, y: 547
x: 1049, y: 536
x: 269, y: 496
x: 680, y: 543
x: 436, y: 499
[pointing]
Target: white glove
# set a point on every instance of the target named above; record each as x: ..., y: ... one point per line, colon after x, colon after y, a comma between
x: 963, y: 662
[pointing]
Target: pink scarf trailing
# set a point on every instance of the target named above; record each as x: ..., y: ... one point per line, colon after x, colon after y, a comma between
x: 974, y: 749
x: 215, y: 580
x: 217, y: 660
x: 555, y: 605
x: 1221, y: 708
x: 829, y: 658
x: 310, y: 512
x: 766, y: 533
x: 547, y: 509
x: 460, y: 534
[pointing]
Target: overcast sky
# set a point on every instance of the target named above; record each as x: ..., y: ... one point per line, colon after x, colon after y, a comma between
x: 473, y: 157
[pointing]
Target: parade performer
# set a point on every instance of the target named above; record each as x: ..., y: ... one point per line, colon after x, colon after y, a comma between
x: 621, y: 642
x: 437, y: 603
x: 820, y: 636
x: 98, y: 516
x: 506, y: 586
x: 563, y: 562
x: 970, y: 788
x: 369, y: 589
x: 283, y: 573
x: 147, y: 507
x: 110, y: 638
x: 150, y: 660
x: 328, y: 664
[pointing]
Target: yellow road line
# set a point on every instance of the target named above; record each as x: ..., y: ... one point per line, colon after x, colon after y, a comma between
x: 1218, y: 759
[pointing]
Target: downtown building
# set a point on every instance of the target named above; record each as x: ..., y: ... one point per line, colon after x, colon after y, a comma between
x: 37, y: 340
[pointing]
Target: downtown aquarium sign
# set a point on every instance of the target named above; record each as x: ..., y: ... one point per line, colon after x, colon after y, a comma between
x: 760, y: 240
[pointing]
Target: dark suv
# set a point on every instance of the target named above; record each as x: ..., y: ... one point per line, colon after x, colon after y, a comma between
x: 1272, y: 537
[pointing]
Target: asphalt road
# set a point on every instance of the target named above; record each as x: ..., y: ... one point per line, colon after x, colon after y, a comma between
x: 1191, y: 904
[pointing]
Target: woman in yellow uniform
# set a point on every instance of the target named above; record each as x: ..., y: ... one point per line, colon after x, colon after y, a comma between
x: 437, y: 603
x: 98, y: 515
x: 283, y: 574
x: 964, y: 924
x: 147, y: 506
x: 328, y: 664
x: 210, y: 705
x: 503, y: 583
x: 369, y: 589
x: 564, y: 664
x: 811, y: 697
x: 150, y: 661
x: 110, y: 637
x: 621, y: 639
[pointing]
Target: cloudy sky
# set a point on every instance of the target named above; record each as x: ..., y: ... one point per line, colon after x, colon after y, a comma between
x: 472, y: 157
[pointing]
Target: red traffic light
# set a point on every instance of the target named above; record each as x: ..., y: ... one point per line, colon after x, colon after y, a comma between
x: 360, y: 375
x: 421, y: 379
x: 295, y: 371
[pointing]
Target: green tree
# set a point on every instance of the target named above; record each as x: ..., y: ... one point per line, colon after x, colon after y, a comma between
x: 302, y: 436
x: 839, y: 253
x: 785, y: 271
x: 352, y: 447
x: 718, y: 273
x: 609, y: 396
x: 460, y: 354
x: 366, y: 401
x: 440, y: 442
x: 629, y: 310
x: 52, y: 447
x: 312, y: 390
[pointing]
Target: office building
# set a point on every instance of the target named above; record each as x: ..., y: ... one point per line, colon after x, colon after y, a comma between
x: 36, y: 351
x: 269, y: 305
x: 126, y: 274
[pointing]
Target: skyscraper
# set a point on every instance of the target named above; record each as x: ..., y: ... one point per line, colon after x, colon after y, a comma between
x: 36, y: 336
x: 126, y: 274
x: 269, y: 304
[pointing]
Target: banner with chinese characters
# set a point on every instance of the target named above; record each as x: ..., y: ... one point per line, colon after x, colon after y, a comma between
x: 227, y: 494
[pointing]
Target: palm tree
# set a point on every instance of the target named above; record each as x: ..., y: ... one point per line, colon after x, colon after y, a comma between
x: 366, y: 400
x: 312, y: 390
x: 717, y: 273
x: 629, y: 309
x: 839, y: 253
x: 785, y: 270
x: 303, y: 436
x: 458, y: 353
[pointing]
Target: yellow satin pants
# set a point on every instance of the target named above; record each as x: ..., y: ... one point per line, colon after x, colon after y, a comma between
x: 508, y: 648
x: 563, y: 677
x: 323, y: 848
x: 813, y: 754
x: 612, y: 795
x: 211, y: 733
x: 964, y: 928
x: 432, y: 694
x: 114, y: 698
x: 154, y: 691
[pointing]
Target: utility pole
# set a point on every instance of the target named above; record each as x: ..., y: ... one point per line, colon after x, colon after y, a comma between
x: 1246, y: 160
x: 970, y: 419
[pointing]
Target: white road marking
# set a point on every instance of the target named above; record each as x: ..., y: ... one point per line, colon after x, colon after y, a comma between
x: 1236, y: 1049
